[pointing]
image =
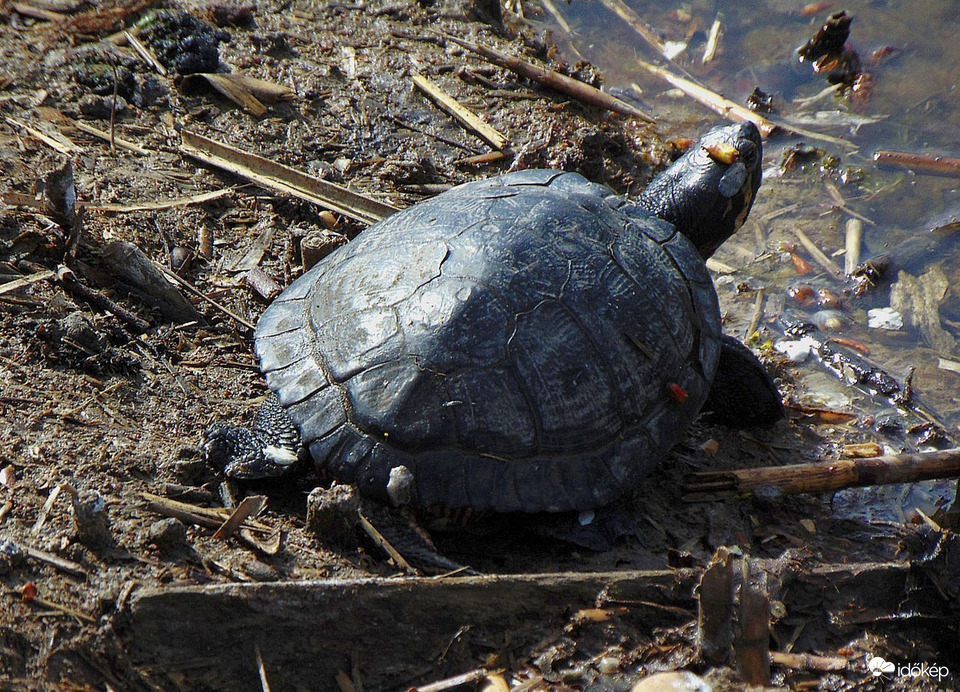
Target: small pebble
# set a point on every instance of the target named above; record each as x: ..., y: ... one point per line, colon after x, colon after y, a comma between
x: 828, y: 320
x: 258, y: 571
x: 674, y: 681
x: 608, y: 665
x: 884, y: 318
x: 91, y: 519
x: 168, y: 534
x: 767, y: 496
x: 11, y: 556
x: 99, y: 107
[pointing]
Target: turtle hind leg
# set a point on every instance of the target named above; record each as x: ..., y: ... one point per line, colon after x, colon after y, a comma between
x: 268, y: 449
x: 742, y: 394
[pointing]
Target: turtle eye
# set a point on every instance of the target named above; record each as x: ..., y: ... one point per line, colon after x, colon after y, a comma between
x: 748, y: 152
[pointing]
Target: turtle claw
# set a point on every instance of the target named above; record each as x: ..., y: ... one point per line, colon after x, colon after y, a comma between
x: 244, y: 454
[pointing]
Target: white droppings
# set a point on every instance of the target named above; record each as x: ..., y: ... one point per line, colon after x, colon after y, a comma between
x: 884, y: 318
x: 798, y: 350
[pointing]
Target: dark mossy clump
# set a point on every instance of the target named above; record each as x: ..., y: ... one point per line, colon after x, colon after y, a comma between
x: 98, y: 77
x: 183, y: 43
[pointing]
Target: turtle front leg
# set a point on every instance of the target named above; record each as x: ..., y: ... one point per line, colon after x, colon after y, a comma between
x: 269, y: 448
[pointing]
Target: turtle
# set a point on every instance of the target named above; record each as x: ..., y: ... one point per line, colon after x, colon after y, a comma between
x: 531, y: 342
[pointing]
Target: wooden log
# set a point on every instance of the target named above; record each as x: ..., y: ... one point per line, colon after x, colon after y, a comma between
x: 400, y: 630
x: 825, y: 476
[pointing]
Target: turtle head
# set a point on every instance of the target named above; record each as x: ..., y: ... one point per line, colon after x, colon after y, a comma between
x: 707, y: 193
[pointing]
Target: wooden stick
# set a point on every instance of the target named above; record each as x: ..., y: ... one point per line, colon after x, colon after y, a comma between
x: 825, y: 476
x: 69, y: 280
x: 460, y: 113
x: 818, y: 254
x: 919, y: 163
x: 567, y: 85
x: 808, y: 661
x: 203, y: 296
x: 55, y: 561
x: 385, y: 545
x: 249, y: 507
x: 712, y: 100
x: 66, y: 610
x: 620, y: 8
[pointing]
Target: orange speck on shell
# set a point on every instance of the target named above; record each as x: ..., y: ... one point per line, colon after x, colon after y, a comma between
x: 676, y: 392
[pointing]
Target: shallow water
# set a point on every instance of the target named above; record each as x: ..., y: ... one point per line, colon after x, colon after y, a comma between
x: 910, y: 51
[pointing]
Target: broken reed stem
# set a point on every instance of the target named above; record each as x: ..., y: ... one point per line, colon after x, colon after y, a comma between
x: 818, y: 254
x: 712, y: 100
x: 463, y: 115
x: 573, y: 88
x: 919, y: 163
x: 620, y: 8
x: 854, y: 235
x: 384, y: 544
x: 825, y: 476
x: 808, y: 661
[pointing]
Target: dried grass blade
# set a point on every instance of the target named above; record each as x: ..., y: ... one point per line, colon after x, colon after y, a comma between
x: 145, y: 53
x: 16, y: 284
x: 284, y: 179
x: 461, y: 113
x: 167, y: 204
x: 122, y: 143
x: 250, y: 507
x: 55, y: 141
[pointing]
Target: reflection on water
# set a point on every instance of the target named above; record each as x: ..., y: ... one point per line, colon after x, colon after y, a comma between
x: 816, y: 183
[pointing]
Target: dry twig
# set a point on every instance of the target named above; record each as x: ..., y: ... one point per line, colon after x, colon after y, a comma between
x: 919, y: 162
x: 712, y: 100
x: 825, y: 476
x: 566, y: 85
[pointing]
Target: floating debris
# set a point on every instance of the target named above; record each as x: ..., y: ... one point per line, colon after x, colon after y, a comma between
x: 796, y: 350
x: 829, y: 53
x: 884, y: 318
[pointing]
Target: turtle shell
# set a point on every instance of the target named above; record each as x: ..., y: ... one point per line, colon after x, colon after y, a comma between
x: 523, y: 343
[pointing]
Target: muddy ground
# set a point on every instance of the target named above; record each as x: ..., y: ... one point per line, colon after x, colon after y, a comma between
x: 91, y: 407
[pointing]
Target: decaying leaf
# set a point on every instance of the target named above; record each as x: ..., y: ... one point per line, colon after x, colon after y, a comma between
x: 918, y: 299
